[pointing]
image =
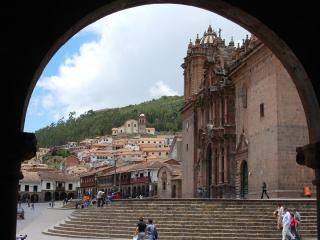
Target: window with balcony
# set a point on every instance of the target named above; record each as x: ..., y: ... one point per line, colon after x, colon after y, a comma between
x: 35, y: 188
x: 26, y: 188
x: 48, y: 185
x: 70, y: 186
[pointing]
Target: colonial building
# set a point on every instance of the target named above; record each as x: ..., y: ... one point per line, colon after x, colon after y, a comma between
x: 47, y: 185
x: 133, y: 126
x: 169, y: 179
x: 242, y: 121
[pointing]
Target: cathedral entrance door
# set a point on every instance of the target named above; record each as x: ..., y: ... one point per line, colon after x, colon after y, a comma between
x: 244, y: 179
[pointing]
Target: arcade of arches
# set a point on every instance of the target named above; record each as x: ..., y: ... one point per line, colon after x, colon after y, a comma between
x: 30, y: 38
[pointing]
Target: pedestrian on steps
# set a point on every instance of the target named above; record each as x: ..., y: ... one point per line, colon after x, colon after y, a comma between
x: 286, y: 224
x: 141, y: 229
x: 151, y: 231
x: 264, y: 190
x: 279, y: 216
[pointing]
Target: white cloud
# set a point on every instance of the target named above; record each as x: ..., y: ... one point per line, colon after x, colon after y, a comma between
x: 160, y: 89
x: 134, y: 56
x: 47, y: 102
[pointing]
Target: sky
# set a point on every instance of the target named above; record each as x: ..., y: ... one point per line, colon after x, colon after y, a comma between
x: 128, y: 57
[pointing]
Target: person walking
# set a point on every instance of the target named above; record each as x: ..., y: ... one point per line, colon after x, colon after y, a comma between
x: 264, y: 190
x: 151, y: 231
x: 279, y: 216
x: 286, y: 224
x: 293, y: 226
x: 297, y: 216
x: 141, y: 229
x: 100, y: 196
x: 32, y: 206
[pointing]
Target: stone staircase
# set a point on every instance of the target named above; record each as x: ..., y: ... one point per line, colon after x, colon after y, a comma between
x: 186, y: 219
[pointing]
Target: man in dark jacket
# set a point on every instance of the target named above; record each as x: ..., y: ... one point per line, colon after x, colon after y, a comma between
x: 264, y: 190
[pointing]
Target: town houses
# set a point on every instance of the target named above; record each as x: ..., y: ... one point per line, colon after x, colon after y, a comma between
x: 127, y: 162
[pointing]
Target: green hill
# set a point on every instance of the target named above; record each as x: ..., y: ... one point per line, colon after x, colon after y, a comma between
x: 162, y: 114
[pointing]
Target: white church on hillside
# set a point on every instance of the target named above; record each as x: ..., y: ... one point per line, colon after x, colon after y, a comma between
x: 133, y: 126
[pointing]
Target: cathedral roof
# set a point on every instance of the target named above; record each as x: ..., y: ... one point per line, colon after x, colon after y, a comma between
x: 209, y: 37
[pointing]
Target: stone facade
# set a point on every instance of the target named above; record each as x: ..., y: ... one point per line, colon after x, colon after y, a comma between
x: 242, y: 121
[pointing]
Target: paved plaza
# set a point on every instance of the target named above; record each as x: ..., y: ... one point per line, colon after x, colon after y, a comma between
x: 41, y: 218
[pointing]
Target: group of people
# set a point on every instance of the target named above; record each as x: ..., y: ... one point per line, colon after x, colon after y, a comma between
x: 28, y: 203
x: 102, y: 198
x: 144, y: 229
x: 289, y: 222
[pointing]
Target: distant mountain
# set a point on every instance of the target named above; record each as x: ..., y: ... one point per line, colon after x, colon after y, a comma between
x: 162, y: 114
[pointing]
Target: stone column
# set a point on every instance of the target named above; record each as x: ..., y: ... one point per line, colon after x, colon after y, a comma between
x: 220, y: 165
x: 226, y: 110
x: 221, y: 111
x: 309, y: 155
x: 17, y: 148
x: 214, y: 113
x: 226, y: 160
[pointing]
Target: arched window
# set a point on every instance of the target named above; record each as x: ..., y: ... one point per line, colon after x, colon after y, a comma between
x: 164, y: 180
x: 244, y: 96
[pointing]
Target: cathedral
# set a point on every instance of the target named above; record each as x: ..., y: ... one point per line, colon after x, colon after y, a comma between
x: 242, y: 121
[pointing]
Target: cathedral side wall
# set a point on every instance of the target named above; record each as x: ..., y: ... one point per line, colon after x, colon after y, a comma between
x: 292, y: 133
x: 188, y: 155
x: 260, y: 128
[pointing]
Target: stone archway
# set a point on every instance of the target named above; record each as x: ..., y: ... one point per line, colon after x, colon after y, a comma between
x: 299, y: 58
x: 174, y: 191
x: 56, y: 196
x: 62, y: 196
x: 70, y: 195
x: 34, y: 198
x: 243, y: 179
x: 25, y: 197
x: 47, y: 196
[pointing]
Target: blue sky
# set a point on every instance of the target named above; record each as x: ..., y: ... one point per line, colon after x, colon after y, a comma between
x: 125, y: 58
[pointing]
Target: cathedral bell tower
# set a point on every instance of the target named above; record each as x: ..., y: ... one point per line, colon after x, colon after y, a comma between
x: 142, y: 124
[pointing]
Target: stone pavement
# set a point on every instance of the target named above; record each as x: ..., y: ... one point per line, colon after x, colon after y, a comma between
x: 42, y: 218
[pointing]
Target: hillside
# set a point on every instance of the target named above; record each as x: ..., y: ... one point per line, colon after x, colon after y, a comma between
x: 162, y: 114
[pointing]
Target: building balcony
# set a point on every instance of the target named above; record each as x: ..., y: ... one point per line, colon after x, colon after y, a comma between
x: 140, y: 180
x: 87, y: 184
x: 60, y: 189
x: 125, y: 181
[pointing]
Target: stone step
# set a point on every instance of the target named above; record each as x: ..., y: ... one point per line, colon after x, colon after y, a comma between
x: 185, y: 229
x: 194, y: 235
x: 181, y: 223
x: 184, y: 219
x: 179, y: 216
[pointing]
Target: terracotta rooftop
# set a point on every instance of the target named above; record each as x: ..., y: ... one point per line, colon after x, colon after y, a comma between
x: 56, y: 176
x: 29, y: 176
